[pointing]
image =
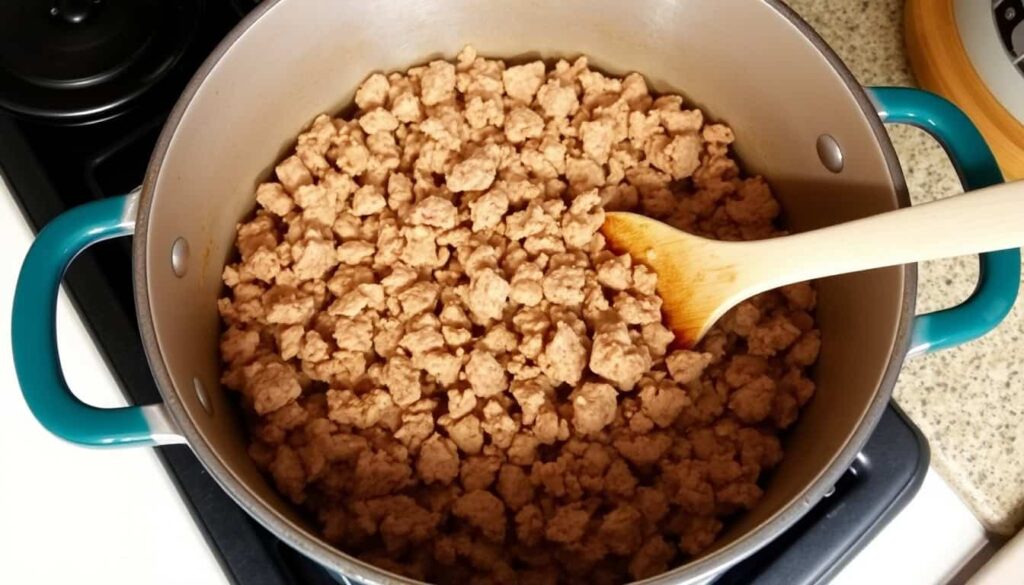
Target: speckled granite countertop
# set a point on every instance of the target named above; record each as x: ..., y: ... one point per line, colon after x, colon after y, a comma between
x: 969, y: 400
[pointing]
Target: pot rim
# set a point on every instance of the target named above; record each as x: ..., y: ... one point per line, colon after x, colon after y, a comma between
x: 347, y: 565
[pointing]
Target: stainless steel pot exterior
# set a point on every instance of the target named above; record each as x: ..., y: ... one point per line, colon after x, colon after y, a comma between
x: 752, y: 64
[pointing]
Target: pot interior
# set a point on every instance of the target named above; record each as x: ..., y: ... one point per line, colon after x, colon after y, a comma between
x: 744, y: 62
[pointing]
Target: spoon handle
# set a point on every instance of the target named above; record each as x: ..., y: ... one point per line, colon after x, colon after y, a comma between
x: 983, y: 220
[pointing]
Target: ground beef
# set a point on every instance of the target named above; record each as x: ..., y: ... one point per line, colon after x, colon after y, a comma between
x: 445, y: 366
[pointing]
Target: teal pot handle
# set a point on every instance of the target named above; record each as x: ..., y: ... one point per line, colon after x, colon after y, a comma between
x: 34, y: 334
x: 999, y: 272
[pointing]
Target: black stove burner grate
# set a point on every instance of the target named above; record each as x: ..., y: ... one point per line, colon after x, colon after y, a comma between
x: 51, y: 167
x: 77, y: 60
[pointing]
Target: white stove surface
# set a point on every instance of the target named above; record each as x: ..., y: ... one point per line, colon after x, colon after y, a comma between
x: 113, y: 517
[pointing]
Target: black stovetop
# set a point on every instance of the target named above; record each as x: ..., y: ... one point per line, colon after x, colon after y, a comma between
x: 75, y: 128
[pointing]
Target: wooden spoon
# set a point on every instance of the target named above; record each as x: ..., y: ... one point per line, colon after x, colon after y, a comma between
x: 700, y: 279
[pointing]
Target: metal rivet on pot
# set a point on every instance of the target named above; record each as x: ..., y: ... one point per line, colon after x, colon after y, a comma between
x: 831, y: 491
x: 179, y: 257
x: 203, y: 397
x: 830, y: 154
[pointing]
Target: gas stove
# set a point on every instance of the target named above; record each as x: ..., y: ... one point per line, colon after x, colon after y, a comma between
x: 85, y: 87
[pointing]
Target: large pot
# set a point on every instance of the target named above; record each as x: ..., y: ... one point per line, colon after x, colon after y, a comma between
x: 754, y: 64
